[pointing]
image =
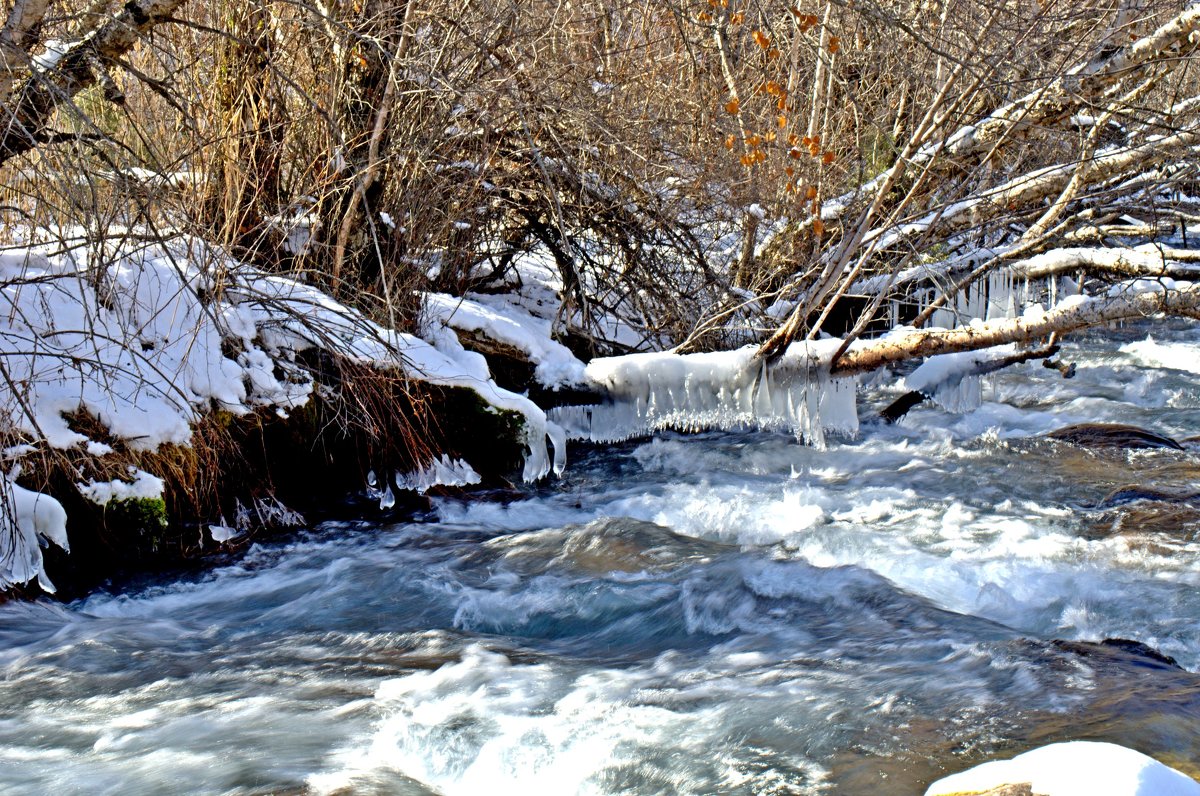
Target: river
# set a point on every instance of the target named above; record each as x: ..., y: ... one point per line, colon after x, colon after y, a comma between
x: 719, y: 613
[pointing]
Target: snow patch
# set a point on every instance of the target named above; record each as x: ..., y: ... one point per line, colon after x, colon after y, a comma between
x: 143, y: 486
x: 1074, y: 768
x: 512, y: 325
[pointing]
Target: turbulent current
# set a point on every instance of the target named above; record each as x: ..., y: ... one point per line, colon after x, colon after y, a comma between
x: 720, y: 613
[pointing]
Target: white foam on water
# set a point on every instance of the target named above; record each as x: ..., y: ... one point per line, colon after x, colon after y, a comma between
x: 1183, y: 356
x: 485, y: 725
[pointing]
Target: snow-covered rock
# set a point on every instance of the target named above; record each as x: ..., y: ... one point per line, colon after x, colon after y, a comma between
x: 1074, y: 768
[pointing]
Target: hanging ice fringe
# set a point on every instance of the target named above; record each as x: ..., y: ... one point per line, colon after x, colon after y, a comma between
x: 727, y: 390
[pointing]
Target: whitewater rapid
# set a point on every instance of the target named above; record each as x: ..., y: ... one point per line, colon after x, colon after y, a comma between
x: 720, y: 613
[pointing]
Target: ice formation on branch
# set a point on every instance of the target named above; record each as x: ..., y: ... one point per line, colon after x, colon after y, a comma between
x: 28, y: 521
x: 725, y: 390
x: 439, y: 472
x: 996, y: 296
x: 954, y: 381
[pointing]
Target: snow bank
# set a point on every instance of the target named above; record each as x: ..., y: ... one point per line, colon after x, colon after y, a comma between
x: 500, y: 320
x: 726, y: 390
x: 133, y: 343
x: 1075, y: 768
x: 148, y: 338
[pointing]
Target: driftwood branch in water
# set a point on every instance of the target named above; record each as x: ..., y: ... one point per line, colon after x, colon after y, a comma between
x: 901, y: 406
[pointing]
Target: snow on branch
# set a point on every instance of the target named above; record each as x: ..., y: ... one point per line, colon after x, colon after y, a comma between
x: 1135, y: 299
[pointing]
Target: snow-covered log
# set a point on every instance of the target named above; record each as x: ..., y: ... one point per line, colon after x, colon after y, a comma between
x: 722, y: 390
x: 1137, y: 299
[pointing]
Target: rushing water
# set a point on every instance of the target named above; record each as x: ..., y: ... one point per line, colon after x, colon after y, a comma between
x: 724, y: 613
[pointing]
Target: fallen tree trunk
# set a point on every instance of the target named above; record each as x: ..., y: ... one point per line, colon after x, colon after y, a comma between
x: 1132, y: 300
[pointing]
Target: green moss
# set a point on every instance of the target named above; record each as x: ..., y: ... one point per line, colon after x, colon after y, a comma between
x: 491, y: 439
x: 935, y: 253
x: 142, y: 519
x: 878, y: 149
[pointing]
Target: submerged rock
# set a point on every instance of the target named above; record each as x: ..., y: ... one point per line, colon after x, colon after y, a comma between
x: 1135, y: 493
x: 1113, y: 435
x: 1125, y: 649
x: 1073, y: 768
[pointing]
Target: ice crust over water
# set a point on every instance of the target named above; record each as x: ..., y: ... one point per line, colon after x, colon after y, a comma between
x: 728, y: 390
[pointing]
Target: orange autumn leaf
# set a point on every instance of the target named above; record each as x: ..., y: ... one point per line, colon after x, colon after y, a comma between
x: 772, y: 88
x: 747, y: 160
x: 814, y: 149
x: 835, y: 44
x: 769, y: 136
x: 737, y: 17
x: 795, y: 154
x: 789, y: 171
x: 729, y: 141
x: 781, y: 120
x: 772, y: 53
x: 793, y: 139
x: 761, y: 39
x: 753, y: 140
x: 828, y: 158
x: 704, y: 16
x: 810, y: 192
x: 781, y: 104
x: 818, y: 227
x: 732, y: 106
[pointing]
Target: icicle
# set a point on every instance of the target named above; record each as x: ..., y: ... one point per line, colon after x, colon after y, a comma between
x: 952, y: 380
x: 389, y: 498
x: 728, y: 390
x: 440, y: 472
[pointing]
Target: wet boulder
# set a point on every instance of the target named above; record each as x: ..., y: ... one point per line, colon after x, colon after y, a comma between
x: 1122, y: 651
x: 1113, y: 435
